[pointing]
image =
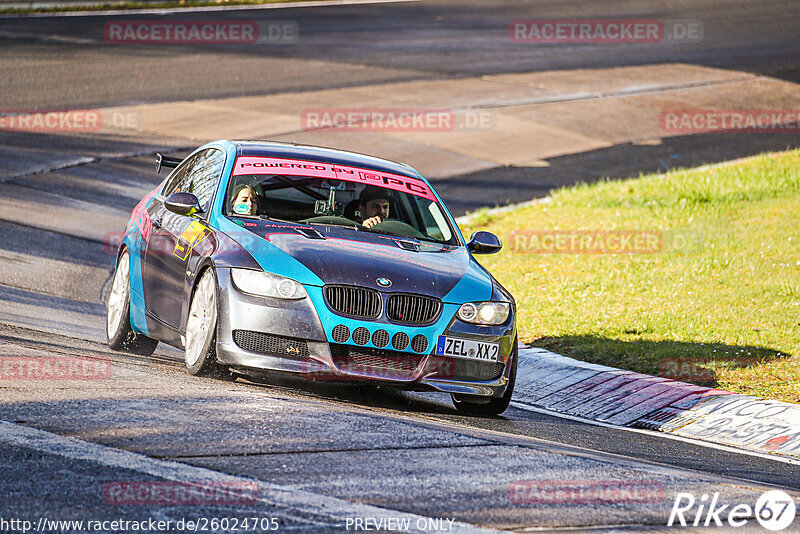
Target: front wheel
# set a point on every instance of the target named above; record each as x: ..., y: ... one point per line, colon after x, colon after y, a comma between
x: 201, y: 329
x: 466, y: 404
x: 118, y: 314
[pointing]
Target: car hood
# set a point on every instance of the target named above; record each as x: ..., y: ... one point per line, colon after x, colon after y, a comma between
x: 344, y: 256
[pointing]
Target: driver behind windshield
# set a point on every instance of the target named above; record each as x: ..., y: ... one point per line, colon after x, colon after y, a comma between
x: 373, y: 205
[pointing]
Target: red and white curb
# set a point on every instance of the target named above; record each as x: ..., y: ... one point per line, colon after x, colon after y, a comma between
x: 613, y: 396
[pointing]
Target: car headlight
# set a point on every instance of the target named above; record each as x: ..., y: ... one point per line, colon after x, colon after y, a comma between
x: 267, y: 284
x: 488, y: 313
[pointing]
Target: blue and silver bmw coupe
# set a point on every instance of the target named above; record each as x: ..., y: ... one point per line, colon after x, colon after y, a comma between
x: 257, y: 257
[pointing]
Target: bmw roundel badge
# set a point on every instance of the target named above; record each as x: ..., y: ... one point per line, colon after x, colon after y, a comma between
x: 384, y: 282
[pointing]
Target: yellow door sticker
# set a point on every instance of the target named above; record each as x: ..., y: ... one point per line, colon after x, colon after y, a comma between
x: 194, y: 234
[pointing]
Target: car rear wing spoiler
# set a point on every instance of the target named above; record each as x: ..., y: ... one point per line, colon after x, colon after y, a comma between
x: 166, y: 161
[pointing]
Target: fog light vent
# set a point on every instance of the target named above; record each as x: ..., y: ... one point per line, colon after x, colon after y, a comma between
x: 400, y: 341
x: 341, y: 333
x: 419, y: 343
x: 361, y: 335
x: 380, y: 338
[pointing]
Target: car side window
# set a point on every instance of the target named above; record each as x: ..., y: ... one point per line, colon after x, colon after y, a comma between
x: 177, y: 179
x: 202, y: 179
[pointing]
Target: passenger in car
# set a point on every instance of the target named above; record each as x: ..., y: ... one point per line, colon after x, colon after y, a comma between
x: 245, y: 201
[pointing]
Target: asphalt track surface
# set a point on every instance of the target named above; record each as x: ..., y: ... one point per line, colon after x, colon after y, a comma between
x: 64, y: 62
x: 365, y: 450
x: 349, y: 45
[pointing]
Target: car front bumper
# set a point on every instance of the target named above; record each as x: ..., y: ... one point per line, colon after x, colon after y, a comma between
x: 257, y: 335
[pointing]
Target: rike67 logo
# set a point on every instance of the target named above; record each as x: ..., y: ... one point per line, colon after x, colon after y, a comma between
x: 774, y: 510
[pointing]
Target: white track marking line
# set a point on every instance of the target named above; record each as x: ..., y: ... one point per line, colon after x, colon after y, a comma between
x: 200, y: 9
x: 268, y: 494
x: 693, y: 441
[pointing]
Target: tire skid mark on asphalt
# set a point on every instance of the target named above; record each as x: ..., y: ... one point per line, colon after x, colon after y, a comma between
x: 326, y: 451
x: 76, y: 162
x: 583, y: 96
x: 88, y: 160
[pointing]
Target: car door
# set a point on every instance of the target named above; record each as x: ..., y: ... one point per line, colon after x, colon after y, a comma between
x: 174, y: 236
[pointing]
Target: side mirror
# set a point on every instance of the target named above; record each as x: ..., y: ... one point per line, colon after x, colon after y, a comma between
x: 484, y: 243
x: 183, y: 204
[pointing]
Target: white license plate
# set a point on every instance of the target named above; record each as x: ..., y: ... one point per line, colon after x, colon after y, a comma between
x: 467, y: 348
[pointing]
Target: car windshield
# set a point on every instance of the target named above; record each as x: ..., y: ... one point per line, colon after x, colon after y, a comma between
x: 387, y: 204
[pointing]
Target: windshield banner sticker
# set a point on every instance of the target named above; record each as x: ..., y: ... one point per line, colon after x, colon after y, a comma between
x: 290, y: 167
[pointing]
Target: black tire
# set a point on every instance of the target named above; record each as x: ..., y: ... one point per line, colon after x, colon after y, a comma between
x: 200, y: 355
x: 467, y: 405
x: 119, y: 333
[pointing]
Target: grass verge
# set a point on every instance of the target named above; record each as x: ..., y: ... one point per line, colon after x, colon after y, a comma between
x: 709, y: 294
